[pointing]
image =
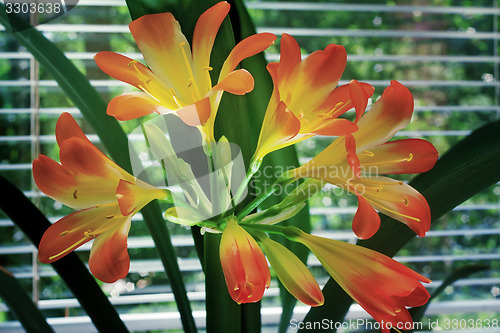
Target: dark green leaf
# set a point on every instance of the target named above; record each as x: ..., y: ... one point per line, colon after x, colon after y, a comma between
x: 21, y: 305
x: 460, y: 273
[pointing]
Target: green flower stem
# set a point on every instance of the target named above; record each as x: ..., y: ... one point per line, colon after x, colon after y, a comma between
x: 223, y: 314
x: 263, y: 196
x: 254, y: 167
x: 272, y: 229
x: 250, y: 318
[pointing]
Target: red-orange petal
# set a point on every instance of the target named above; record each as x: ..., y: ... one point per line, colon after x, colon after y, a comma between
x: 238, y: 82
x: 397, y: 200
x: 387, y: 116
x: 133, y: 196
x: 245, y: 267
x: 352, y: 157
x: 83, y: 158
x: 109, y: 260
x: 366, y: 220
x: 196, y: 114
x: 359, y: 98
x: 340, y: 99
x: 314, y: 78
x: 205, y: 31
x: 122, y: 68
x: 54, y: 180
x: 335, y: 127
x: 246, y: 48
x: 72, y: 231
x: 283, y: 125
x: 67, y: 127
x: 401, y: 156
x: 159, y: 37
x: 290, y: 56
x: 134, y: 105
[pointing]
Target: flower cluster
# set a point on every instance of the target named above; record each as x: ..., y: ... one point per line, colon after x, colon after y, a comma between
x: 306, y: 101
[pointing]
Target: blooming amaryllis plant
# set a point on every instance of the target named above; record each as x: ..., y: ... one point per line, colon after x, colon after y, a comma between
x: 176, y: 83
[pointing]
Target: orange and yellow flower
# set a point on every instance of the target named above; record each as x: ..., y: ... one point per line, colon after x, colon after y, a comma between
x: 106, y: 195
x: 178, y: 78
x: 355, y: 161
x: 290, y: 270
x: 306, y: 100
x: 381, y: 285
x: 244, y: 265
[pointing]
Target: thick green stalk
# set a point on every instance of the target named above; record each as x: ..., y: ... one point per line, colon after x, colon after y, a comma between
x: 223, y: 314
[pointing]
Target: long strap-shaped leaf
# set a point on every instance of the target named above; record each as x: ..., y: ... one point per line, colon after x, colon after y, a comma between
x: 468, y: 167
x: 21, y: 305
x: 87, y: 99
x: 70, y: 268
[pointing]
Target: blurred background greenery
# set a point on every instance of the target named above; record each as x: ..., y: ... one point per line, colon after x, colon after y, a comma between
x: 445, y: 51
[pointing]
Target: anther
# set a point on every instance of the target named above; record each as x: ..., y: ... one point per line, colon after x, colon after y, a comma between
x: 75, y: 194
x: 132, y: 63
x: 181, y: 44
x: 207, y: 68
x: 88, y: 234
x: 172, y: 91
x: 379, y: 188
x: 369, y: 153
x: 109, y: 217
x: 406, y: 200
x: 410, y: 157
x: 64, y: 233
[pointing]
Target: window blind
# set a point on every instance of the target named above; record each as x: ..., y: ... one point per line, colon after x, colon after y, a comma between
x: 445, y: 51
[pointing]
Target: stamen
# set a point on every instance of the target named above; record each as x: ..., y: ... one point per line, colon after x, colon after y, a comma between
x: 396, y: 213
x: 75, y: 194
x: 148, y: 93
x: 337, y: 110
x: 406, y: 159
x: 69, y: 249
x: 190, y: 71
x: 174, y: 96
x: 374, y: 181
